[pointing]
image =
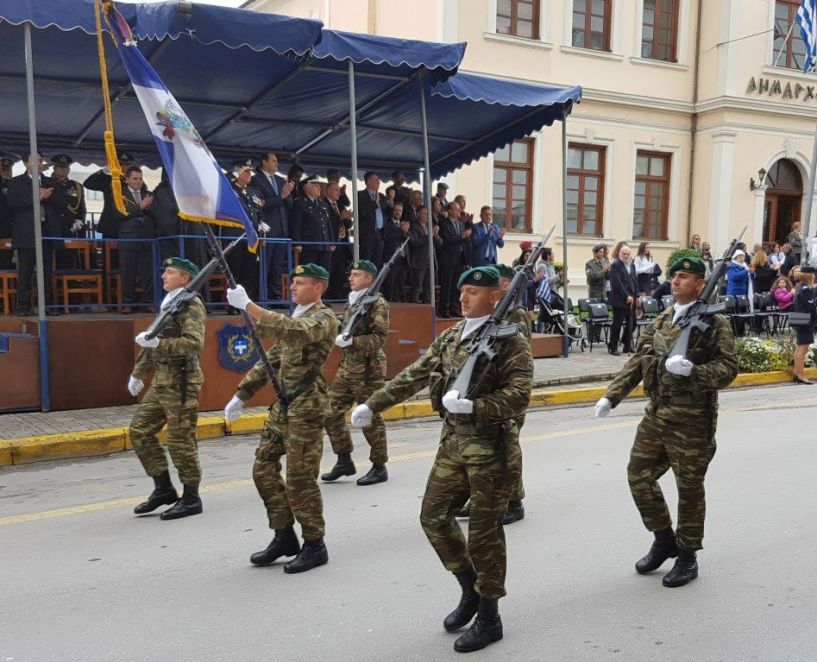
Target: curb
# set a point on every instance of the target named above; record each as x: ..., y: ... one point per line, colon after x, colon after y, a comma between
x: 39, y: 448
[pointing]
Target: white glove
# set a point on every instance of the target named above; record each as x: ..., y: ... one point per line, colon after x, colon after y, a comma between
x: 456, y: 405
x: 362, y: 416
x: 78, y: 226
x: 341, y: 342
x: 135, y: 386
x: 143, y: 341
x: 263, y: 228
x: 237, y: 297
x: 603, y: 407
x: 678, y: 365
x: 234, y: 409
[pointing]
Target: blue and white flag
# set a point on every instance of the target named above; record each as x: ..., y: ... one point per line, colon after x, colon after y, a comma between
x: 807, y: 18
x: 202, y: 191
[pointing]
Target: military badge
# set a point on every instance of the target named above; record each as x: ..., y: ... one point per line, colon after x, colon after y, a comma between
x: 236, y: 348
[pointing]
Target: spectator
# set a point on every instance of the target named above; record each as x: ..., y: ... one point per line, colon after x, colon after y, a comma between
x: 108, y: 224
x: 553, y: 277
x: 776, y: 256
x: 311, y: 225
x: 437, y: 211
x: 242, y: 263
x: 340, y: 221
x: 664, y: 289
x: 467, y: 221
x: 789, y: 259
x: 706, y: 256
x: 596, y: 271
x: 65, y: 212
x: 526, y: 248
x: 737, y: 274
x: 782, y: 293
x: 623, y: 296
x: 646, y: 270
x: 410, y: 211
x: 395, y: 232
x: 452, y: 258
x: 795, y: 239
x: 402, y: 193
x: 420, y: 256
x: 763, y: 274
x: 695, y: 243
x: 442, y: 191
x: 165, y: 213
x: 333, y: 176
x: 486, y: 238
x: 372, y: 212
x: 804, y: 302
x: 278, y: 197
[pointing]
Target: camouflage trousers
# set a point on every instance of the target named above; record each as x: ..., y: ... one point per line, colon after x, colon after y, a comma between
x: 347, y: 390
x: 471, y: 466
x: 515, y: 462
x: 300, y: 438
x: 162, y: 404
x: 688, y: 449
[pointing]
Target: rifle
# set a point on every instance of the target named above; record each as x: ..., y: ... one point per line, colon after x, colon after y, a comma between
x: 495, y: 328
x: 185, y: 297
x: 698, y: 315
x: 364, y: 304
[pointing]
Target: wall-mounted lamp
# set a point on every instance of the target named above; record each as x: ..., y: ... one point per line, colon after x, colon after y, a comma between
x: 755, y: 185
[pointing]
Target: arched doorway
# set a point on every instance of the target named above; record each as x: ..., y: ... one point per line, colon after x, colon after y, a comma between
x: 783, y: 200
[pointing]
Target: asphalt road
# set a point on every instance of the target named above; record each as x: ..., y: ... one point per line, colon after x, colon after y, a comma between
x: 81, y: 578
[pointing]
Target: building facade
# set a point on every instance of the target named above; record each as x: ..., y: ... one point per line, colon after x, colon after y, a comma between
x: 696, y: 118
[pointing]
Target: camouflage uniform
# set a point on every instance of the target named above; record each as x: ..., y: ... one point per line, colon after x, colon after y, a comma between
x: 475, y: 454
x: 678, y: 428
x: 520, y: 317
x: 302, y: 345
x: 172, y: 397
x: 362, y: 371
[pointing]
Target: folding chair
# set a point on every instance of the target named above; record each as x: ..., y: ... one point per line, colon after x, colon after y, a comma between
x: 763, y: 314
x: 584, y: 307
x: 667, y: 301
x: 742, y: 315
x: 599, y: 319
x: 649, y: 310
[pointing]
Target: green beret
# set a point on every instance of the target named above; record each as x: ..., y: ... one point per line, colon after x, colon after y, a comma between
x: 505, y: 271
x: 365, y: 265
x: 311, y: 270
x: 480, y: 276
x: 691, y: 265
x: 181, y: 263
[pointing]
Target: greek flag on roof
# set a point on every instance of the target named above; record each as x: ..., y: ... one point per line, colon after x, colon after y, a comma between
x: 807, y: 18
x: 202, y: 191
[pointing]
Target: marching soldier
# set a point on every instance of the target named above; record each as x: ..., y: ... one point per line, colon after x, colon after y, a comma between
x: 172, y: 398
x: 678, y: 428
x: 295, y: 424
x: 362, y: 371
x: 474, y: 459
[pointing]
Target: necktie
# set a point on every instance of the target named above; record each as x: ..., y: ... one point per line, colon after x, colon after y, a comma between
x: 378, y: 213
x: 273, y: 183
x: 137, y: 197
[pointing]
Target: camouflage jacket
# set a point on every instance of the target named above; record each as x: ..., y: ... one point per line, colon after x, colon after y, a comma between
x: 520, y: 317
x: 180, y: 345
x: 301, y: 347
x: 673, y: 395
x: 365, y: 356
x: 502, y: 394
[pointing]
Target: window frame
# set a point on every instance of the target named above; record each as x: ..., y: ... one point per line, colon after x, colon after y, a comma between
x: 514, y: 17
x: 582, y: 173
x: 509, y: 167
x: 794, y: 37
x: 666, y: 178
x: 588, y: 32
x: 674, y: 28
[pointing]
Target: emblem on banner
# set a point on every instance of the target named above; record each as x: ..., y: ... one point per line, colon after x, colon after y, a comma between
x: 236, y: 348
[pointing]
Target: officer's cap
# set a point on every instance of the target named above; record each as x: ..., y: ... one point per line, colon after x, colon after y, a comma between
x: 480, y: 276
x: 314, y: 179
x: 311, y: 270
x: 525, y: 246
x: 505, y: 271
x: 125, y: 157
x: 365, y: 265
x: 61, y: 159
x: 598, y: 247
x: 242, y: 164
x: 691, y: 265
x: 181, y: 263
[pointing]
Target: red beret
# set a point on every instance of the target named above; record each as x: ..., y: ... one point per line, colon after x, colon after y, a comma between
x: 525, y: 246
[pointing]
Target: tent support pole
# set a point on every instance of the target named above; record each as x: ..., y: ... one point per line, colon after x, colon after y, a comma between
x: 566, y: 347
x: 353, y: 133
x: 427, y: 195
x: 45, y: 394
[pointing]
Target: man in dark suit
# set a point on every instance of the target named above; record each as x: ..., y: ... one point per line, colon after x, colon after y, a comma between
x: 395, y: 232
x: 22, y: 232
x: 421, y: 256
x: 340, y: 220
x: 278, y: 201
x: 452, y: 257
x: 135, y: 257
x: 372, y: 211
x: 622, y: 298
x: 310, y: 223
x: 108, y: 223
x: 410, y: 210
x: 402, y: 193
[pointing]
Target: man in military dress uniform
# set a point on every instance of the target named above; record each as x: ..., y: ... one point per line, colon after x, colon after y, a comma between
x: 295, y: 424
x: 173, y: 358
x: 362, y: 371
x: 311, y: 223
x: 474, y: 458
x: 244, y: 264
x: 69, y: 217
x: 678, y: 428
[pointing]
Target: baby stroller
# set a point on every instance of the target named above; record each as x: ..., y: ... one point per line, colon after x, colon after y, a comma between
x: 551, y: 320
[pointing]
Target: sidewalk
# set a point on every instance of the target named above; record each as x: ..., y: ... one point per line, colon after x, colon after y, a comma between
x: 577, y: 368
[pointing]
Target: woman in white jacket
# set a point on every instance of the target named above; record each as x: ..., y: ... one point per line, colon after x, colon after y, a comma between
x: 644, y: 269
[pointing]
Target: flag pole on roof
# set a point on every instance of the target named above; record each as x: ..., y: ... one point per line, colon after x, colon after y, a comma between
x: 202, y: 191
x: 807, y: 18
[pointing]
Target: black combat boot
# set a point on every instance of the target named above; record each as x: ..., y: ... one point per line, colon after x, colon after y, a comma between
x: 485, y: 630
x: 469, y: 602
x: 515, y: 512
x: 285, y: 543
x: 684, y: 570
x: 189, y: 504
x: 465, y: 511
x: 662, y: 549
x: 164, y: 494
x: 377, y: 474
x: 312, y: 554
x: 343, y: 467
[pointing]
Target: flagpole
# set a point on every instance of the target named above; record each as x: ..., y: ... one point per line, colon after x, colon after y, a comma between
x: 809, y: 200
x: 783, y: 47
